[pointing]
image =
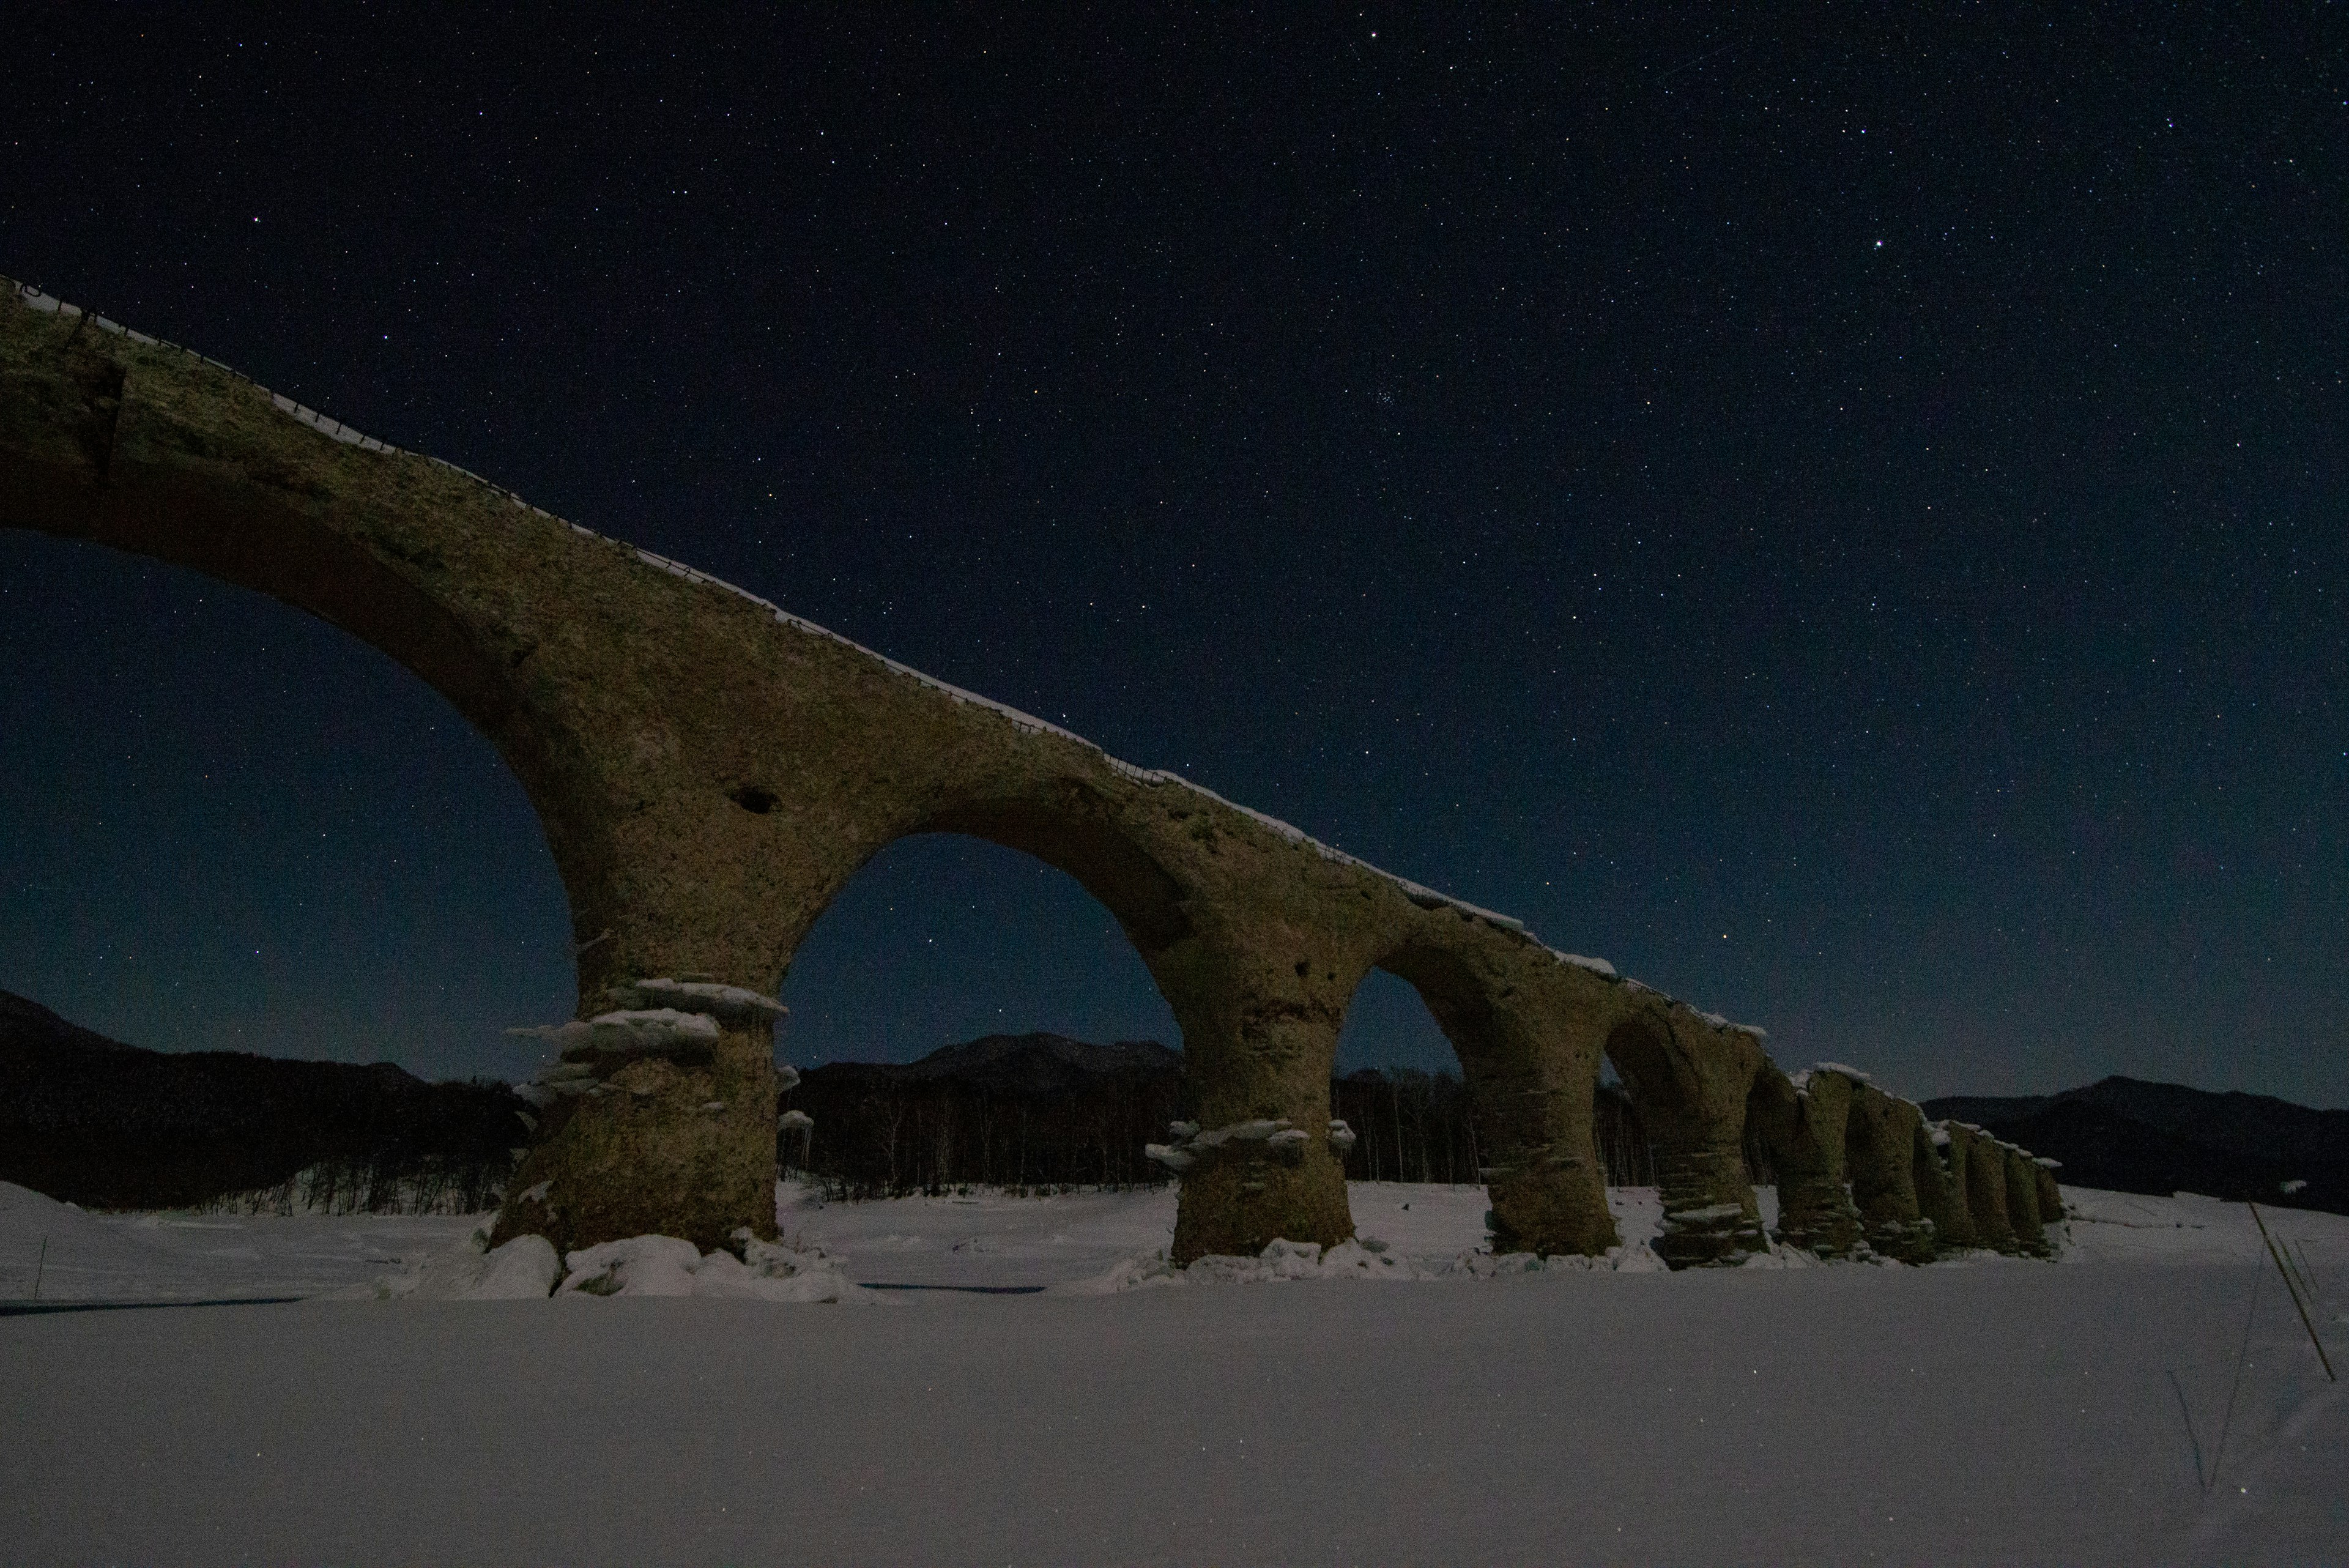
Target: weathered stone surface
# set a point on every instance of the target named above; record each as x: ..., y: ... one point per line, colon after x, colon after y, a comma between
x: 2051, y: 1195
x: 1985, y: 1187
x: 1880, y: 1154
x: 1690, y: 1078
x: 660, y: 1146
x: 1529, y: 1045
x: 2022, y: 1202
x: 1939, y: 1169
x: 1800, y: 1123
x: 711, y: 770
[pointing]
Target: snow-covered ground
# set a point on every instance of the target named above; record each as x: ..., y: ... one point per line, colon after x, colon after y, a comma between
x: 1986, y: 1411
x: 80, y: 1256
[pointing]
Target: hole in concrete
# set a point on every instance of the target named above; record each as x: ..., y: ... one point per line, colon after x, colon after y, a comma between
x: 755, y: 798
x: 1303, y: 969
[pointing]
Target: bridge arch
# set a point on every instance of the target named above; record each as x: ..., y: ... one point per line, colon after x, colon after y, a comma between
x: 941, y: 937
x: 371, y: 778
x: 1880, y: 1143
x: 1691, y: 1077
x: 1804, y: 1120
x: 1528, y: 1055
x: 710, y: 768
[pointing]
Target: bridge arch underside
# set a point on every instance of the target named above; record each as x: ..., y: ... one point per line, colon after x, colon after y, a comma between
x: 711, y: 770
x: 1689, y: 1079
x: 1530, y: 1063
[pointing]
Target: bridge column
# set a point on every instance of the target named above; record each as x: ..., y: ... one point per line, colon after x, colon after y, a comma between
x: 1533, y: 1102
x: 1689, y: 1079
x: 1528, y: 1031
x: 658, y: 1116
x: 1879, y: 1151
x: 2051, y: 1195
x: 1802, y: 1122
x: 1984, y: 1174
x: 1940, y: 1176
x: 2022, y: 1203
x: 1259, y: 1040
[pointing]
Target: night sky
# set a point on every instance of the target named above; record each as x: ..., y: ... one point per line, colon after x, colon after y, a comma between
x: 1848, y: 518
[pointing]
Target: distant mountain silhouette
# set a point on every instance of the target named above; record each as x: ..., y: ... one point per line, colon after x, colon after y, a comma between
x: 108, y: 1126
x: 2128, y: 1135
x: 1043, y: 1064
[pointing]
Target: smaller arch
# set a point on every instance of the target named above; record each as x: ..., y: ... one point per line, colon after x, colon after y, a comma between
x: 1938, y: 1165
x: 1691, y: 1080
x: 1399, y: 1088
x: 1529, y: 1056
x: 1072, y: 830
x: 1879, y: 1151
x: 1626, y: 1157
x: 1985, y: 1187
x: 943, y: 937
x: 1803, y: 1121
x: 2022, y: 1202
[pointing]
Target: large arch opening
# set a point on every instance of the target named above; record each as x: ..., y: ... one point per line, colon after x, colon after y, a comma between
x: 964, y: 1012
x: 237, y: 828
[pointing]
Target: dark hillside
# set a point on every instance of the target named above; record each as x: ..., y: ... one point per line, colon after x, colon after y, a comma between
x: 108, y: 1126
x: 2128, y: 1135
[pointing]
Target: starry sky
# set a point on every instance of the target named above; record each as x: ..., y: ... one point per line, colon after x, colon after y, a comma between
x: 1846, y: 515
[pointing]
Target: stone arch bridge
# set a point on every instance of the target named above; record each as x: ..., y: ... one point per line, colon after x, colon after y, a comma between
x: 711, y: 770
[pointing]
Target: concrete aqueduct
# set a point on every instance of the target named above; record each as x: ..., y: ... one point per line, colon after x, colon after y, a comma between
x: 711, y: 770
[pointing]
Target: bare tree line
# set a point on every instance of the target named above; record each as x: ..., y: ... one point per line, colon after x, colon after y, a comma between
x: 877, y: 1134
x: 379, y: 1184
x: 1412, y: 1126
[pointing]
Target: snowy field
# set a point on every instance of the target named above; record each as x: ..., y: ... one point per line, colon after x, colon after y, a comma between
x: 1988, y: 1411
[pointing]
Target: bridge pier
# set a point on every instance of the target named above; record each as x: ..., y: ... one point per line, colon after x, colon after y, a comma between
x: 1802, y: 1124
x: 1690, y: 1080
x: 677, y: 1143
x: 2022, y: 1203
x: 1880, y: 1150
x: 1259, y: 1040
x: 1940, y: 1176
x: 711, y: 770
x: 1984, y: 1175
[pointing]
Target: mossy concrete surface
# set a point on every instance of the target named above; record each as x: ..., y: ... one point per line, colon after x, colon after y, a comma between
x: 711, y: 770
